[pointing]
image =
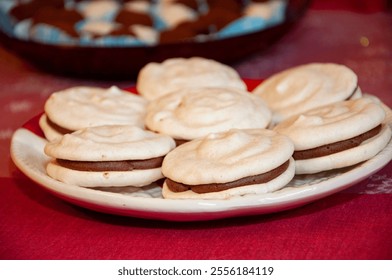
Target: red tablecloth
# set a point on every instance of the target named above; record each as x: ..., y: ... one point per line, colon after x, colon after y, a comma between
x: 353, y: 224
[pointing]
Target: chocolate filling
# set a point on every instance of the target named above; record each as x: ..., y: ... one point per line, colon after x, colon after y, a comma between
x: 219, y: 15
x: 24, y: 9
x: 60, y: 18
x: 336, y: 147
x: 217, y: 187
x: 180, y: 141
x: 129, y: 18
x: 122, y: 165
x: 56, y: 127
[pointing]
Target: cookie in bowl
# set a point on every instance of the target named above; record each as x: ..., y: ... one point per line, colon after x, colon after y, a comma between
x: 307, y: 86
x: 79, y: 107
x: 108, y: 156
x: 337, y: 135
x: 158, y: 79
x: 228, y: 164
x: 191, y: 113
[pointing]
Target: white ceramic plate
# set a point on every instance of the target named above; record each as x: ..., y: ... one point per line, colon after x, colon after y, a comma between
x: 27, y: 153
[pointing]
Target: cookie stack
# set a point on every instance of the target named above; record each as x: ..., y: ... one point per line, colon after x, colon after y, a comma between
x: 196, y: 125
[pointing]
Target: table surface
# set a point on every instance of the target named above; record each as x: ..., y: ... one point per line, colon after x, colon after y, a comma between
x: 352, y: 224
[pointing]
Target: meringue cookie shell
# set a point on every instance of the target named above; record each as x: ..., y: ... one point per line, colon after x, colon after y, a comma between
x: 79, y: 107
x: 192, y: 113
x: 228, y: 156
x: 158, y: 79
x: 110, y: 143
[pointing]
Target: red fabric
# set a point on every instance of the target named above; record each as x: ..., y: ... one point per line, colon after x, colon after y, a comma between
x: 353, y: 224
x: 343, y: 226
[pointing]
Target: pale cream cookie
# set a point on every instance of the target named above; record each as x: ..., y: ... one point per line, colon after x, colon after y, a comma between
x: 337, y: 135
x: 308, y: 86
x: 158, y: 79
x: 195, y: 112
x: 106, y: 156
x: 79, y: 107
x: 232, y: 163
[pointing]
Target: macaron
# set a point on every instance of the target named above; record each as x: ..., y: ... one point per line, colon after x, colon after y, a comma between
x: 108, y: 156
x: 75, y: 108
x: 337, y: 135
x: 229, y: 164
x: 307, y: 86
x: 191, y: 113
x: 158, y: 79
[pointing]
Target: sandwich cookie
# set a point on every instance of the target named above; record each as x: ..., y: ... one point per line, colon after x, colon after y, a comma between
x: 79, y: 107
x: 337, y: 135
x: 232, y: 163
x: 308, y: 86
x: 108, y: 156
x: 158, y: 79
x: 191, y: 113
